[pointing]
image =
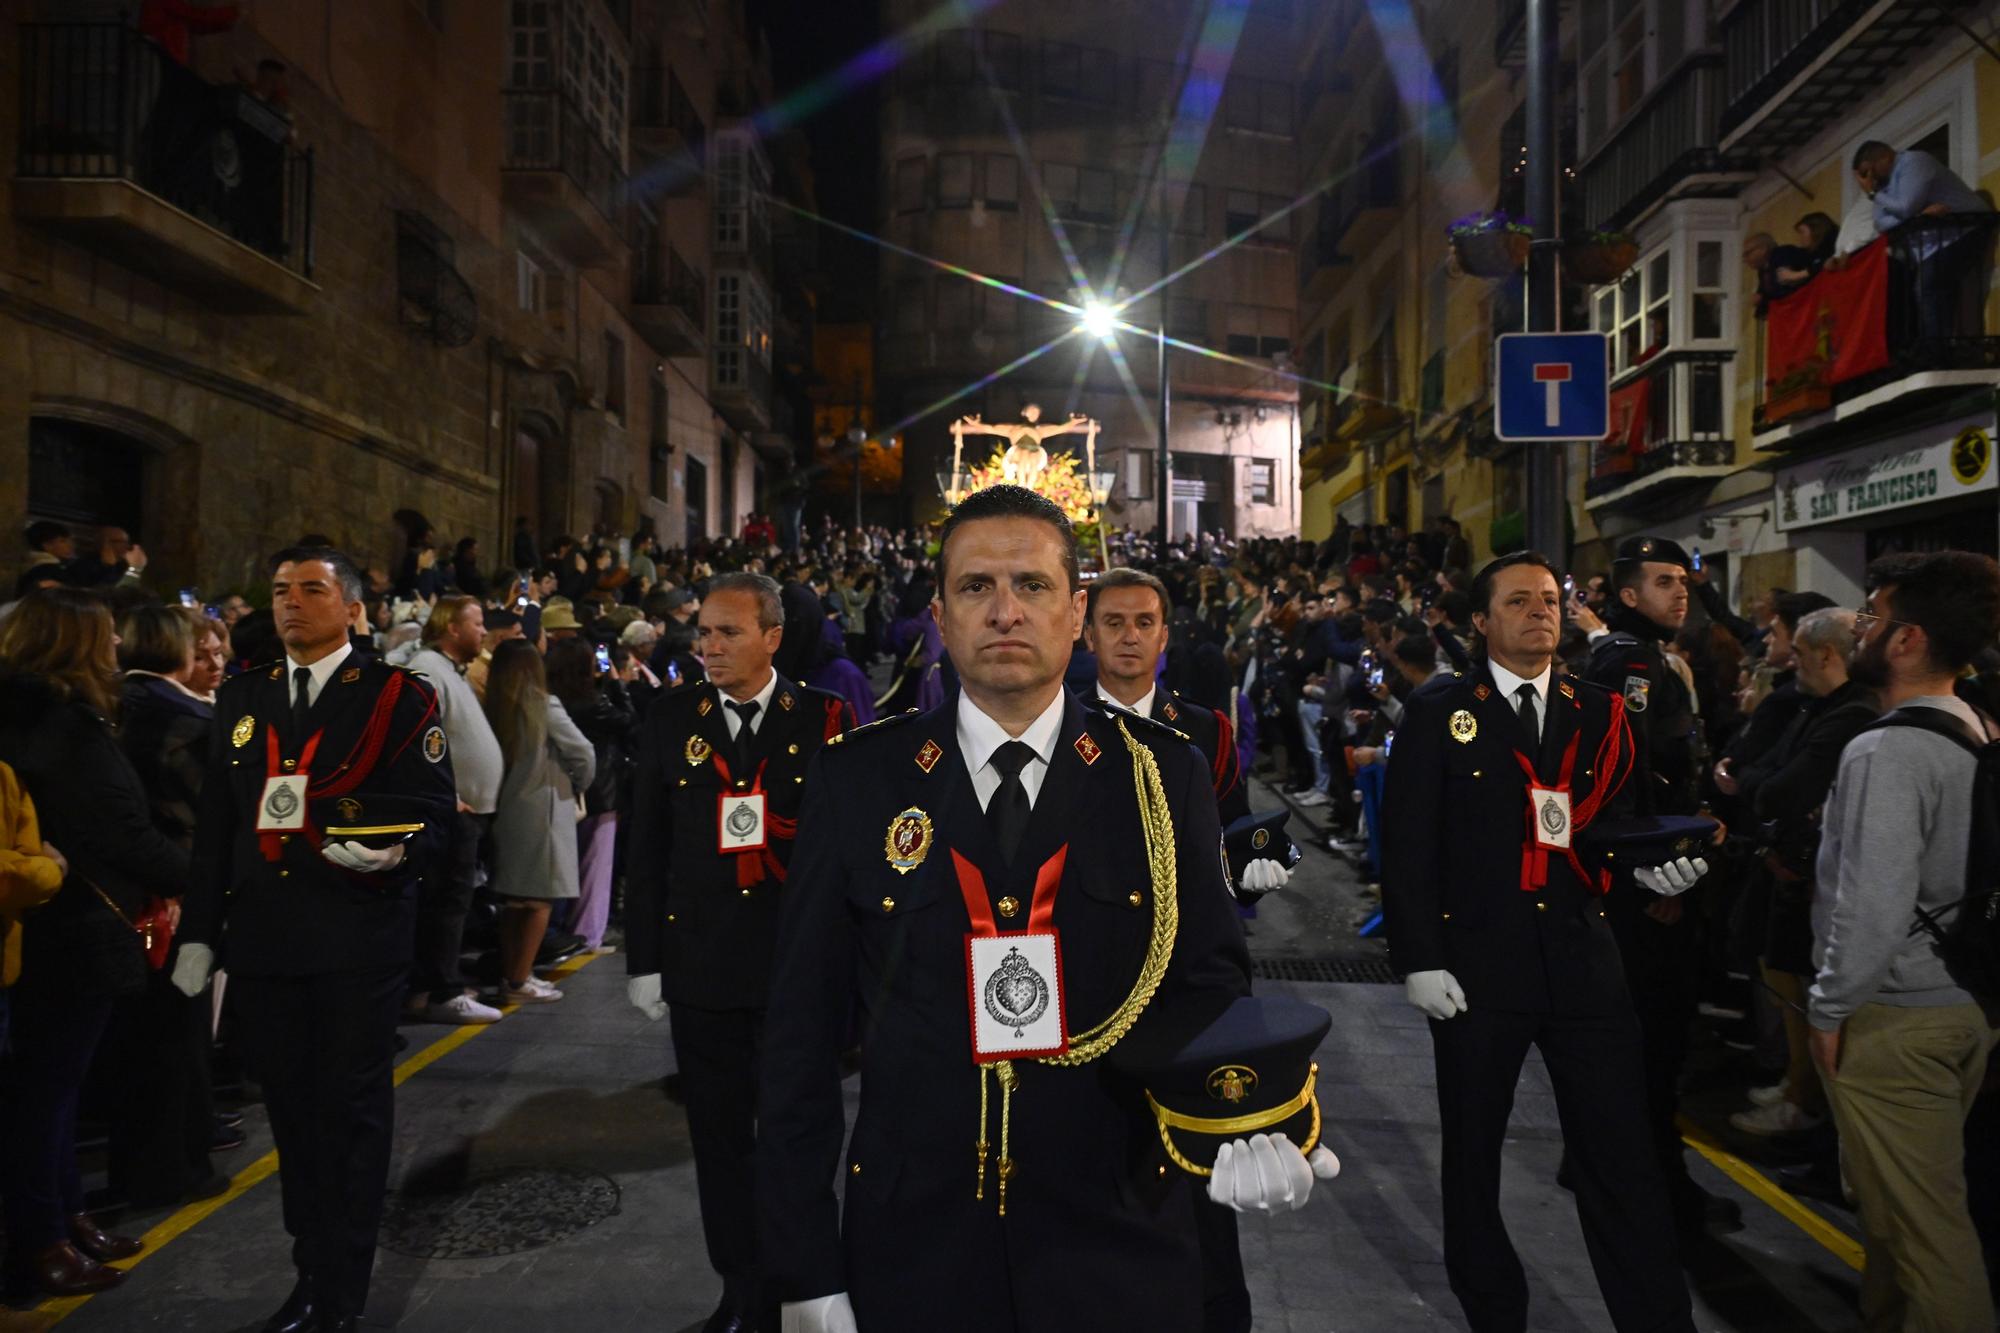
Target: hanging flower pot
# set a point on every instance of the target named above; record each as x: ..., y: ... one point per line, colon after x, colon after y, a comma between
x: 1490, y: 245
x: 1600, y: 257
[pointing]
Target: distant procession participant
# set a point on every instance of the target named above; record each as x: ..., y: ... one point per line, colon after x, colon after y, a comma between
x: 1005, y: 1172
x: 714, y: 808
x: 329, y: 796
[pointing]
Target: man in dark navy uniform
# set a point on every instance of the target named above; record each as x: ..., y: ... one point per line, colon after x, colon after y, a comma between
x: 1003, y: 1175
x: 715, y: 801
x: 1503, y: 941
x: 1126, y: 629
x: 1660, y: 938
x: 329, y: 795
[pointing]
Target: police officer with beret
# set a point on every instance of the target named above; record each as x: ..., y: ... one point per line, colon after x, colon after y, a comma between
x: 1003, y: 1174
x: 329, y: 795
x: 721, y: 770
x: 1502, y: 939
x: 1660, y: 938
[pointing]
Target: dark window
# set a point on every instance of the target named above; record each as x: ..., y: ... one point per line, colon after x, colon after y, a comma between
x: 1003, y: 181
x: 1260, y: 105
x: 954, y: 304
x: 1269, y: 345
x: 1278, y: 230
x: 954, y: 180
x: 1062, y: 69
x: 1241, y: 212
x: 910, y: 185
x: 1263, y: 486
x: 614, y: 374
x: 658, y: 405
x: 1097, y: 195
x: 1003, y: 58
x: 1059, y: 187
x: 697, y: 499
x: 1241, y: 344
x: 955, y: 57
x: 659, y: 470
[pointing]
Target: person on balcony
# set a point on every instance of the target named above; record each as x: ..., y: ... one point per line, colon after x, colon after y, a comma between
x: 1913, y: 184
x: 1780, y: 269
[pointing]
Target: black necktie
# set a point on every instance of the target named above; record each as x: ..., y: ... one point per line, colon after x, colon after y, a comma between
x: 1008, y: 811
x: 1531, y: 724
x: 745, y: 715
x: 301, y: 700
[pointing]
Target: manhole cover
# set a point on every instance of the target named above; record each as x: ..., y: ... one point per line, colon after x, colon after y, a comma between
x: 498, y: 1214
x: 1365, y: 971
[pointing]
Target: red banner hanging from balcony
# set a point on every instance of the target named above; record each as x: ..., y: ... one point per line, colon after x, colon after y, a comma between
x: 1631, y: 413
x: 1833, y: 329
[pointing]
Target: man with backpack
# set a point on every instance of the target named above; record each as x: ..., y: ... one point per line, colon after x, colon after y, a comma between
x: 1899, y: 1033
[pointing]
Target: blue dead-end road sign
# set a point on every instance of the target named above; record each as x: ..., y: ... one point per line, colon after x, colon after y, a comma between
x: 1551, y: 386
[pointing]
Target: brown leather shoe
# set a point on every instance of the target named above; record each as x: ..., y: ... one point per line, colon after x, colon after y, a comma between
x: 62, y: 1270
x: 100, y: 1244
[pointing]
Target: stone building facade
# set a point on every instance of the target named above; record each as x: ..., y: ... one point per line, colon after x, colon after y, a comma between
x: 473, y: 285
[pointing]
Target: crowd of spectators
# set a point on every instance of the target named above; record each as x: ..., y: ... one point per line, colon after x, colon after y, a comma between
x: 545, y: 665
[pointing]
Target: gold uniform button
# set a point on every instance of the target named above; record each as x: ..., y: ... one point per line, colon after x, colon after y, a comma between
x: 854, y: 1170
x: 1009, y: 906
x: 1136, y: 898
x: 670, y: 918
x: 1163, y: 1171
x: 888, y: 904
x: 741, y: 785
x: 793, y: 748
x: 283, y: 874
x: 684, y: 782
x: 1447, y: 916
x: 1477, y: 774
x: 746, y: 893
x: 1541, y: 907
x: 291, y: 764
x: 284, y: 839
x: 798, y: 779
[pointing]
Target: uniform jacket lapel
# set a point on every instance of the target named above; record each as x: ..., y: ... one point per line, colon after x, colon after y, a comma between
x: 1557, y: 728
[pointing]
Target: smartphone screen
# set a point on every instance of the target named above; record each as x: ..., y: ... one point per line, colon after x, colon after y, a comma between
x: 1696, y: 559
x: 189, y: 597
x: 603, y: 660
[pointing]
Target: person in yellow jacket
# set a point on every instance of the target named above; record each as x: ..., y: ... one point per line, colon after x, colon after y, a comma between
x: 30, y: 873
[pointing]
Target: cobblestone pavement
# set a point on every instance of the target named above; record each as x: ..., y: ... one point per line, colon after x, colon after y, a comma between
x: 548, y: 1184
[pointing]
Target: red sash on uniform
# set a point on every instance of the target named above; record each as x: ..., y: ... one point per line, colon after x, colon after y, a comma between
x: 752, y: 864
x: 350, y: 772
x: 1611, y: 754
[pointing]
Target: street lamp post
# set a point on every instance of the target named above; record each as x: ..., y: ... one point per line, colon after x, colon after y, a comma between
x: 1163, y: 465
x: 1546, y: 499
x: 857, y: 436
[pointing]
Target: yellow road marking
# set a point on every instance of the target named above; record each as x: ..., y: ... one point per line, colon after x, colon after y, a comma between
x: 1830, y: 1237
x: 178, y: 1223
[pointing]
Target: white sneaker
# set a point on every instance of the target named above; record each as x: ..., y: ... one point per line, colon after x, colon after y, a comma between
x: 1313, y: 797
x: 461, y: 1009
x: 1772, y: 1095
x: 1777, y: 1118
x: 532, y: 991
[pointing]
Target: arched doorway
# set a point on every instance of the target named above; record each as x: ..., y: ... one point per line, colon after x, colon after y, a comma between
x: 540, y: 481
x: 87, y: 476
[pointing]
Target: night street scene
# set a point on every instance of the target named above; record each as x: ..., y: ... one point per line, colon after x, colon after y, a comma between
x: 1000, y: 666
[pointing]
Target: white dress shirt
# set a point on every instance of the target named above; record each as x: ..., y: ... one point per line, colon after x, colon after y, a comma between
x: 322, y: 671
x: 979, y: 736
x: 1510, y: 685
x: 762, y: 698
x: 1144, y: 708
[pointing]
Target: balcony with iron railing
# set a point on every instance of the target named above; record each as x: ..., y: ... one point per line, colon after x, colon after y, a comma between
x: 1793, y: 67
x: 668, y: 133
x: 1664, y: 150
x: 1903, y: 321
x: 1669, y: 431
x: 127, y: 153
x: 667, y: 302
x: 559, y: 175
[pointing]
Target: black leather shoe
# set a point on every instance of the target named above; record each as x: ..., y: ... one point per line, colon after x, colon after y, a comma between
x: 299, y: 1314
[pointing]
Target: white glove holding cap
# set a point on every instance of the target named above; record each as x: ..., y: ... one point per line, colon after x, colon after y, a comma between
x: 1675, y: 877
x: 1436, y: 993
x: 1266, y: 1173
x: 822, y: 1314
x: 1263, y: 875
x: 363, y: 860
x: 192, y: 968
x: 644, y: 994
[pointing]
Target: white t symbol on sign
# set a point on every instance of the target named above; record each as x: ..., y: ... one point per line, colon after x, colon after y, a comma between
x: 1552, y: 375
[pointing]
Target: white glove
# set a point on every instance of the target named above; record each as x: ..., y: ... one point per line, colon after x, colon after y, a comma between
x: 192, y: 967
x: 1674, y: 877
x: 365, y: 860
x: 644, y: 994
x: 1263, y: 875
x: 822, y: 1314
x: 1436, y: 993
x: 1267, y: 1174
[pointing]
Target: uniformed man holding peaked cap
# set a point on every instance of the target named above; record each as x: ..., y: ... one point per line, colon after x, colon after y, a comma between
x: 1661, y: 939
x: 715, y: 807
x: 1003, y: 1174
x: 1497, y: 922
x: 328, y: 795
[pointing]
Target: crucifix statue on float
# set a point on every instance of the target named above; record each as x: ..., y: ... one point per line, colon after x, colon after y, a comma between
x: 1026, y: 458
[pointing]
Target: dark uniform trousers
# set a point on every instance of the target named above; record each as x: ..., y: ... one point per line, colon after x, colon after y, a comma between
x: 1099, y: 1231
x: 1225, y: 1295
x: 694, y: 917
x: 1539, y: 968
x: 319, y: 957
x: 1662, y: 960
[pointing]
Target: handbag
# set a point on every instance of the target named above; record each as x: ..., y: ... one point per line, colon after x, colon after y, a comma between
x: 155, y: 925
